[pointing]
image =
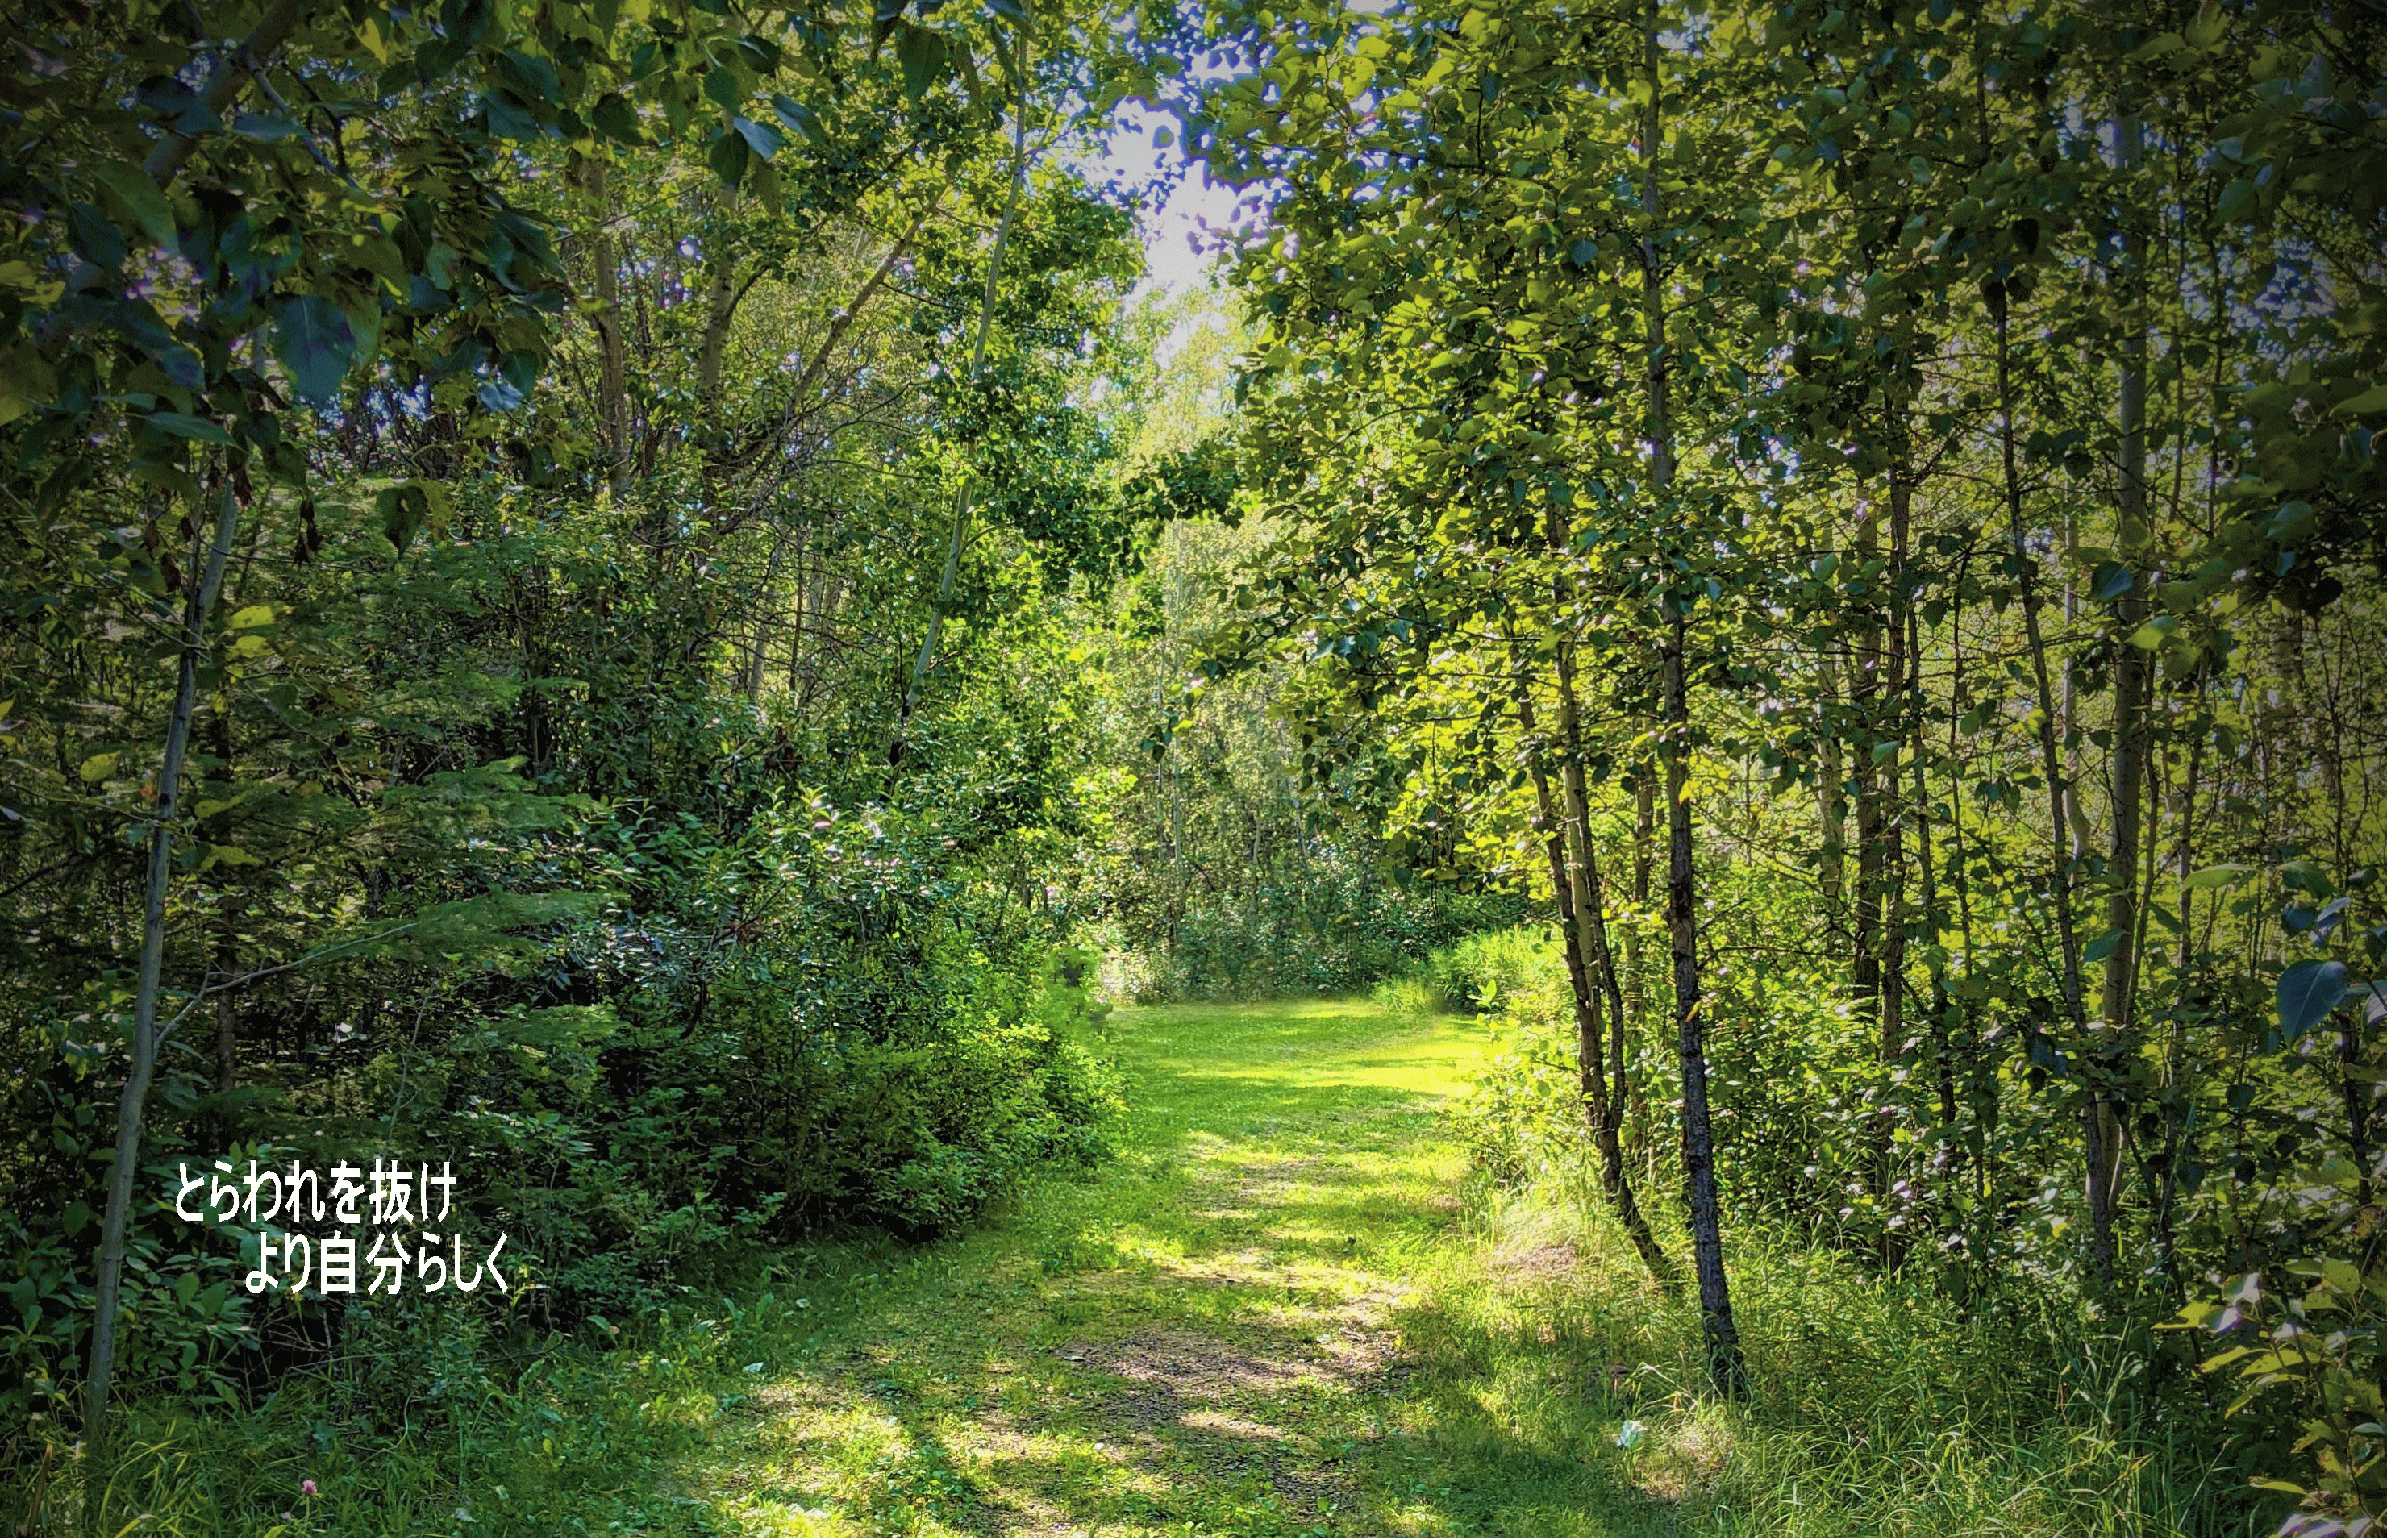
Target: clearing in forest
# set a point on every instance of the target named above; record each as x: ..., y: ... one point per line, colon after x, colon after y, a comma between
x: 1214, y: 1332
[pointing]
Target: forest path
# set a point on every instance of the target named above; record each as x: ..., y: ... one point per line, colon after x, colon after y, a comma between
x: 1247, y: 1324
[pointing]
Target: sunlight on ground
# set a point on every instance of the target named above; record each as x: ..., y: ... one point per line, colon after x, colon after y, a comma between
x: 1202, y: 1337
x: 1289, y: 1308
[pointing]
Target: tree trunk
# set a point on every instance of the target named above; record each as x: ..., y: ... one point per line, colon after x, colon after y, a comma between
x: 1831, y: 792
x: 231, y: 77
x: 199, y: 604
x: 2051, y: 757
x: 1889, y: 939
x: 1566, y: 839
x: 2130, y: 751
x: 1637, y: 964
x: 1865, y: 692
x: 960, y: 529
x: 765, y: 605
x: 605, y: 283
x: 1725, y: 1367
x: 1943, y: 1050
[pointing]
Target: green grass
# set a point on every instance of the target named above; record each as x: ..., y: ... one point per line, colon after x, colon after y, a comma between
x: 1286, y: 1309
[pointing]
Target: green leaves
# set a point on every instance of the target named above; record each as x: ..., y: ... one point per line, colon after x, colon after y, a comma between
x: 615, y: 118
x: 2369, y: 402
x: 509, y: 118
x: 798, y: 117
x: 197, y: 429
x: 95, y: 236
x: 2307, y: 993
x: 312, y: 339
x: 725, y: 89
x: 727, y: 156
x: 407, y: 507
x: 135, y: 199
x: 2154, y: 633
x: 762, y: 140
x: 530, y: 77
x: 923, y: 56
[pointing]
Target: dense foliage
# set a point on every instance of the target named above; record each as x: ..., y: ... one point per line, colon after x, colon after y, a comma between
x: 1224, y: 875
x: 541, y: 547
x: 1877, y: 508
x: 622, y: 594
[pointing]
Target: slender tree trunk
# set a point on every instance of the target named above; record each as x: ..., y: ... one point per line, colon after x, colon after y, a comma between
x: 231, y: 78
x: 1943, y: 1050
x: 2130, y: 672
x: 721, y: 296
x: 1831, y: 790
x: 764, y: 604
x: 199, y: 604
x: 227, y: 1015
x: 2050, y: 755
x: 1865, y: 693
x: 1725, y: 1367
x: 1889, y: 859
x: 2067, y: 725
x: 1636, y: 963
x: 1566, y: 840
x: 605, y: 285
x: 2179, y: 1131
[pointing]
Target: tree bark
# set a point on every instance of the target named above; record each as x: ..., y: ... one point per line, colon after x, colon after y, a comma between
x: 1565, y: 838
x: 1831, y: 792
x: 763, y: 602
x: 1726, y: 1366
x: 1888, y: 942
x: 605, y: 283
x: 273, y: 29
x: 1865, y: 692
x: 2129, y: 751
x: 199, y: 604
x: 960, y: 529
x: 2051, y: 754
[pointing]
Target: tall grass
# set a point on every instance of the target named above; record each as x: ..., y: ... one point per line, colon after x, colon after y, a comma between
x: 1878, y: 1408
x: 1484, y: 972
x: 582, y: 1437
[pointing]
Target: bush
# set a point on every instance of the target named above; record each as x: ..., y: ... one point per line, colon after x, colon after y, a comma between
x: 1338, y: 935
x: 1490, y: 969
x: 641, y: 1099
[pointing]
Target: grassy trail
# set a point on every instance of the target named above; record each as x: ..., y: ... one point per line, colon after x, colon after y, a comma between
x: 1221, y: 1332
x: 1286, y: 1309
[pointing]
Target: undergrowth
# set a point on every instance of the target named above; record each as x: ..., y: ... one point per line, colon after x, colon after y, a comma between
x: 1878, y: 1409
